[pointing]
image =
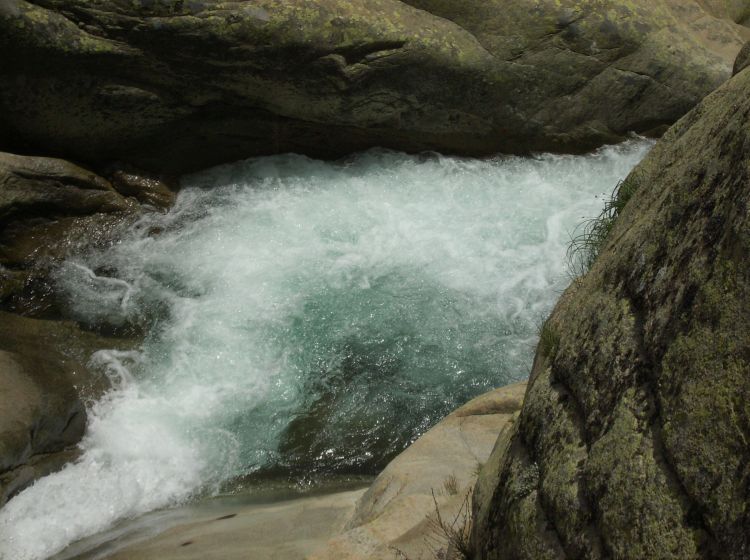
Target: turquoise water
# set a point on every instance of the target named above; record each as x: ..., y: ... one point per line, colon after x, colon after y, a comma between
x: 307, y: 318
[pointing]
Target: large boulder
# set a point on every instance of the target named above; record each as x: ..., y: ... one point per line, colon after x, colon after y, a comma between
x: 633, y: 439
x: 180, y: 85
x: 35, y: 186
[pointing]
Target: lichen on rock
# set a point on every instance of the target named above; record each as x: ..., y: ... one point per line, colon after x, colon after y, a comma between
x: 179, y: 86
x: 635, y: 430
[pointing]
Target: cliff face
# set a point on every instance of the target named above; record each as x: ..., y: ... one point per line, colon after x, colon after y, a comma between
x: 633, y: 438
x: 175, y: 86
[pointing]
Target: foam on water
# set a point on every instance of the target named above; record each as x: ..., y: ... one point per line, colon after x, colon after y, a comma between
x: 307, y: 317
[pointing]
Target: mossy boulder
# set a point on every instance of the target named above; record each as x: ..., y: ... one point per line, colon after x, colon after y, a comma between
x: 180, y: 85
x: 633, y: 439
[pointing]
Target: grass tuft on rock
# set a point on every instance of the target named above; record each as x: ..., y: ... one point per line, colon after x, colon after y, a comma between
x: 448, y: 539
x: 450, y: 485
x: 591, y: 235
x: 455, y: 532
x: 549, y: 340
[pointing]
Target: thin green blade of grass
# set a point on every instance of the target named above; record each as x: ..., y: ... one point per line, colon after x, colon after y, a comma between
x: 585, y: 246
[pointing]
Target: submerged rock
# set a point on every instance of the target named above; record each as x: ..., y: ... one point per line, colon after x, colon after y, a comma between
x: 178, y: 86
x: 633, y: 438
x: 145, y: 188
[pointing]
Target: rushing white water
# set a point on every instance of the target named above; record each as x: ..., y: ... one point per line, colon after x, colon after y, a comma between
x: 308, y: 317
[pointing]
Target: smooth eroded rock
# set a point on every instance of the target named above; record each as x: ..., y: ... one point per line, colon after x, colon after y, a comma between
x: 178, y: 86
x: 33, y: 186
x: 283, y: 531
x: 44, y: 382
x: 434, y: 475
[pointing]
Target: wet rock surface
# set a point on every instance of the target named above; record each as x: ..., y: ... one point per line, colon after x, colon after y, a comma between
x: 45, y: 381
x: 49, y: 209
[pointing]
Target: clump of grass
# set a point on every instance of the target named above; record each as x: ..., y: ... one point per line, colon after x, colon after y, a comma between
x: 447, y: 539
x: 549, y: 340
x: 586, y: 245
x: 450, y: 485
x: 457, y: 532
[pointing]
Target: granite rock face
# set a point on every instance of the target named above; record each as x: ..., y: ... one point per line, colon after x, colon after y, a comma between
x: 178, y: 85
x: 633, y: 439
x: 743, y: 59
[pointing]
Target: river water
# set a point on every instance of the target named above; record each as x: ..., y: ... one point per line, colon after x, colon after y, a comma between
x: 306, y: 319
